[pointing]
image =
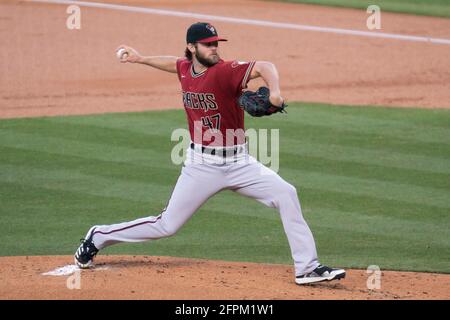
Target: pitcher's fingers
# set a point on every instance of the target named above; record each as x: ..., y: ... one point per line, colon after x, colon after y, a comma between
x: 122, y: 46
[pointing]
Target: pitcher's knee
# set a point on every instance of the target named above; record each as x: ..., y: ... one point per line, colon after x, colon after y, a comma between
x: 291, y: 190
x: 286, y: 192
x: 169, y: 229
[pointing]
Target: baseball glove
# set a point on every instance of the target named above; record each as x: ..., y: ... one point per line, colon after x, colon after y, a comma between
x: 257, y: 103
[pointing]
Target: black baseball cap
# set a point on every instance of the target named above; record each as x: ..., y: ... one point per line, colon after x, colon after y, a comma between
x: 202, y: 32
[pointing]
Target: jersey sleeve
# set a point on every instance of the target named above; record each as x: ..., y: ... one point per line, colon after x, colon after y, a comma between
x: 180, y: 62
x: 237, y: 74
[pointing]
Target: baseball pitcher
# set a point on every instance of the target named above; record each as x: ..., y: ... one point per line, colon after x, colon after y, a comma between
x: 217, y: 158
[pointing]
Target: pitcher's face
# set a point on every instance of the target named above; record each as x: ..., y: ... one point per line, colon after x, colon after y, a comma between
x: 206, y: 53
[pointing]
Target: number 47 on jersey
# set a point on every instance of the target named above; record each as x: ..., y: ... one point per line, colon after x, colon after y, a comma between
x: 212, y: 122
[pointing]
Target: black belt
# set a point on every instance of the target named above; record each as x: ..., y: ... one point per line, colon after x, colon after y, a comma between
x: 228, y: 152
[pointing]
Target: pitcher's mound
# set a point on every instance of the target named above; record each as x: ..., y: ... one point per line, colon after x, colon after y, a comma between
x: 148, y: 277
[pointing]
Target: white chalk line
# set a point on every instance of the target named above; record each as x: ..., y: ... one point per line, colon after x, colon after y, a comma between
x: 68, y: 270
x: 250, y: 21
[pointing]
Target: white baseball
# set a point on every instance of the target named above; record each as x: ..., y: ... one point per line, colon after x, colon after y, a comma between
x: 121, y: 54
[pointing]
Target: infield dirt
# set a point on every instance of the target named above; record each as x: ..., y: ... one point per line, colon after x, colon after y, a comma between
x: 47, y: 69
x: 148, y: 277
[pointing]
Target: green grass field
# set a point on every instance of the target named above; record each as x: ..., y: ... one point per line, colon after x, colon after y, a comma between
x: 439, y: 8
x: 374, y: 184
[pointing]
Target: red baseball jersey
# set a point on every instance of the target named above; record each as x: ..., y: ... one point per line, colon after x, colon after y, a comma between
x: 210, y: 100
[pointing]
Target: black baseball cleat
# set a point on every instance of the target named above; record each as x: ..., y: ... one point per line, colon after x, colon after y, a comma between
x: 84, y: 256
x: 321, y: 273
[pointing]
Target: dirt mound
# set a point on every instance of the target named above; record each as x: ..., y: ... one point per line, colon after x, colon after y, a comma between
x: 147, y: 277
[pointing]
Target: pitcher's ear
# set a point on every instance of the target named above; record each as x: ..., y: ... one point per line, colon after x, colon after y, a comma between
x: 191, y: 47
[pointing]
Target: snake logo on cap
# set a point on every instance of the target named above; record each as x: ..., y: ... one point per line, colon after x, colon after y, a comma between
x: 211, y: 28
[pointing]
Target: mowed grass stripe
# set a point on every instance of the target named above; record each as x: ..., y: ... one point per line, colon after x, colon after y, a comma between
x: 125, y: 168
x: 94, y: 185
x: 398, y: 229
x: 94, y: 134
x: 127, y: 171
x: 151, y: 158
x: 93, y: 150
x: 389, y: 253
x: 368, y: 141
x: 374, y: 133
x: 134, y: 175
x: 143, y: 123
x: 380, y: 157
x: 357, y: 186
x: 42, y: 221
x: 365, y: 170
x: 122, y: 136
x: 314, y: 198
x: 369, y: 187
x: 358, y: 123
x: 372, y: 141
x: 24, y: 210
x: 386, y: 226
x: 409, y: 117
